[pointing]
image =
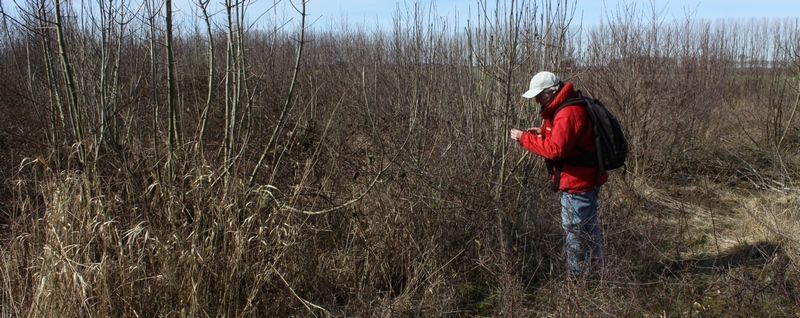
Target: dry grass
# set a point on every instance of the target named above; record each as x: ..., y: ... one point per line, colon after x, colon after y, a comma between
x: 772, y: 217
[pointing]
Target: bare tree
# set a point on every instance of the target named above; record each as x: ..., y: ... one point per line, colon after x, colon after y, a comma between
x: 289, y: 102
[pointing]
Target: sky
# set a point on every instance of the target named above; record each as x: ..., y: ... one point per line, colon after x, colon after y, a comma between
x: 328, y: 13
x: 331, y: 14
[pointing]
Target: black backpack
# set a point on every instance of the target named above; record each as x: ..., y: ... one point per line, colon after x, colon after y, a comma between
x: 610, y: 143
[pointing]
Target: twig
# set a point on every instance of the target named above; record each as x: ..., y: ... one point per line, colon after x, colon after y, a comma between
x: 354, y: 200
x: 306, y: 303
x: 789, y: 122
x: 288, y: 102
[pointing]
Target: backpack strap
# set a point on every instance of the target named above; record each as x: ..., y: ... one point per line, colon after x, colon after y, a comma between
x: 586, y: 158
x: 577, y: 101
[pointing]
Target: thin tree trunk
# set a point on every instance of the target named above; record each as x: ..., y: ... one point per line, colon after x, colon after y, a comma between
x: 115, y: 136
x: 174, y: 139
x: 288, y: 103
x: 210, y: 86
x: 57, y: 122
x: 72, y: 105
x: 105, y: 27
x: 229, y: 102
x: 246, y: 118
x: 153, y: 80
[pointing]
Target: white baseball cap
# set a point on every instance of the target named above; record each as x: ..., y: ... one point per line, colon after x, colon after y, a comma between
x: 541, y: 81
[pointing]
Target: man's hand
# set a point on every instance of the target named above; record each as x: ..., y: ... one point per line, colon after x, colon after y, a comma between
x: 515, y: 134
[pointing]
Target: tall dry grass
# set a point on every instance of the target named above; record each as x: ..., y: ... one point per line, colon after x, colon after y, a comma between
x: 351, y: 172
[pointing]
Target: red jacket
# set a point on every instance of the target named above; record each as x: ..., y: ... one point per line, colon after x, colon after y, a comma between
x: 570, y: 127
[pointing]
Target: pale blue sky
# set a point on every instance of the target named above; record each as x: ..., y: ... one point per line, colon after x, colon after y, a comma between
x: 380, y: 12
x: 326, y: 14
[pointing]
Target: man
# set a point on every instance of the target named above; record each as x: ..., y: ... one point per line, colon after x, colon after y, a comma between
x: 567, y: 133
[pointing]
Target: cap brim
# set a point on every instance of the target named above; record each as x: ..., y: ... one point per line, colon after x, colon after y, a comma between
x: 531, y: 93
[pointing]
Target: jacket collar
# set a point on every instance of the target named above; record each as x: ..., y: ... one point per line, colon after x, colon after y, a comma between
x: 565, y: 93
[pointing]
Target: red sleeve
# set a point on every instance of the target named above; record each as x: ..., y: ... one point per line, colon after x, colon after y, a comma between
x: 559, y: 143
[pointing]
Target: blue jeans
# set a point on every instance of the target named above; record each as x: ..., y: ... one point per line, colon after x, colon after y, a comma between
x: 584, y: 243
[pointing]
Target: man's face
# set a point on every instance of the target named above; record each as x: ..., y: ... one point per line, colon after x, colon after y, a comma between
x: 544, y: 98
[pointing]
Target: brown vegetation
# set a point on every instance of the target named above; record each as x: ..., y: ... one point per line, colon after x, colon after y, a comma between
x: 229, y: 171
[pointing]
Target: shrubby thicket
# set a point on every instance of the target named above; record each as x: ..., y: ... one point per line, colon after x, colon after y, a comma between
x: 154, y: 168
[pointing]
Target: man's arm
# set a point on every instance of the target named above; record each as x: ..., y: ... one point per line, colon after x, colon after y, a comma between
x: 516, y: 134
x: 561, y: 140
